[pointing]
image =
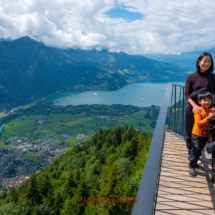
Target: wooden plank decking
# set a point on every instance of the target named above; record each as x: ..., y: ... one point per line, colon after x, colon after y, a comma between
x: 178, y: 193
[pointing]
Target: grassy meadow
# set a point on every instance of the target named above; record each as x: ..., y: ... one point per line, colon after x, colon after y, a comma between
x: 137, y: 120
x: 57, y: 123
x: 32, y: 156
x: 62, y: 123
x: 73, y: 141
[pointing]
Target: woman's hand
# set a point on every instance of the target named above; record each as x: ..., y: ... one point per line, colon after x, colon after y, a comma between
x: 196, y: 108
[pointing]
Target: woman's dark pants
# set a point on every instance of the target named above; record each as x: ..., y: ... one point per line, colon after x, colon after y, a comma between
x: 189, y: 127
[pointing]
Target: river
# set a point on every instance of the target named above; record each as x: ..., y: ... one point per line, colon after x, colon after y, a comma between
x: 1, y: 127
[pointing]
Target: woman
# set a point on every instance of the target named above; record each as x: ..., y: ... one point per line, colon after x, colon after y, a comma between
x: 194, y: 82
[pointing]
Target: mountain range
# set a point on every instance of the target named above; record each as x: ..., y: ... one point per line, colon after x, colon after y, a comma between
x: 29, y: 71
x: 187, y: 59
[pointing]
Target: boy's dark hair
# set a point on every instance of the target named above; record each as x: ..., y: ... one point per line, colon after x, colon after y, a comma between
x: 204, y: 94
x: 211, y: 69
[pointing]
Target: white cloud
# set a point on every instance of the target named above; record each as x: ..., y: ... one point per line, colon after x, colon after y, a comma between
x: 167, y: 26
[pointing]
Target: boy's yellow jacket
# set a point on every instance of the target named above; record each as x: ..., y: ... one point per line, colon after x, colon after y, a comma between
x: 201, y: 123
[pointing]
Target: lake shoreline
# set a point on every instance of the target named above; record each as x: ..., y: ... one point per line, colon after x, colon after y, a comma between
x: 97, y: 89
x: 136, y: 94
x: 100, y: 89
x: 134, y: 82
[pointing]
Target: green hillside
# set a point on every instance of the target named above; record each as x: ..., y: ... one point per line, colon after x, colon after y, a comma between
x: 99, y: 177
x: 29, y: 71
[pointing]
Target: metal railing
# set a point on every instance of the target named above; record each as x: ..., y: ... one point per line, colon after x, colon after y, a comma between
x: 176, y: 110
x: 172, y: 112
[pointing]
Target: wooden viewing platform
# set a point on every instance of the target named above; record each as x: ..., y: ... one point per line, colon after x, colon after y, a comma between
x: 178, y: 193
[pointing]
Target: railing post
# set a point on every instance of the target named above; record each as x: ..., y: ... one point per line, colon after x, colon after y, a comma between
x: 170, y: 108
x: 175, y: 111
x: 178, y: 110
x: 183, y: 114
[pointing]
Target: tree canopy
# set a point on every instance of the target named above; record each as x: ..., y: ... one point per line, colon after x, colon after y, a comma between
x: 88, y: 179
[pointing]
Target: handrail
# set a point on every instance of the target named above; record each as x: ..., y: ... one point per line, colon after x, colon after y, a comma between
x: 147, y: 191
x: 178, y: 85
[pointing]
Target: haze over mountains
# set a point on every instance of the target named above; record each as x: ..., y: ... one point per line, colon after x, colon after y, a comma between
x: 187, y: 59
x: 29, y: 70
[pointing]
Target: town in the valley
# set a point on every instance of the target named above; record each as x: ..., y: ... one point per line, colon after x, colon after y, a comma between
x: 24, y: 154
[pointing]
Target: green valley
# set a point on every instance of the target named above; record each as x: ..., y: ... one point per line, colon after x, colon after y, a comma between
x: 35, y: 135
x: 27, y: 125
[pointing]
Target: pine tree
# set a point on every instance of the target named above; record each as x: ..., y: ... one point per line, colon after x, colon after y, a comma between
x: 77, y: 175
x: 36, y: 210
x: 14, y: 196
x: 23, y: 207
x: 9, y: 208
x: 49, y: 199
x: 114, y: 141
x: 69, y: 184
x: 131, y: 149
x: 127, y: 207
x: 111, y: 190
x: 118, y: 132
x: 4, y: 195
x: 67, y: 207
x: 58, y: 203
x: 129, y: 134
x: 45, y: 209
x: 45, y: 184
x: 32, y: 191
x: 81, y: 192
x: 94, y: 193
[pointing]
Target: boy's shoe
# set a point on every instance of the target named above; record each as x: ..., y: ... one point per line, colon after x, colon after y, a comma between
x: 200, y: 168
x: 192, y: 172
x: 199, y: 162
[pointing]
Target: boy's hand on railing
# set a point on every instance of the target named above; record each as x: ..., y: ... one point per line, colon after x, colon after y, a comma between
x: 210, y: 115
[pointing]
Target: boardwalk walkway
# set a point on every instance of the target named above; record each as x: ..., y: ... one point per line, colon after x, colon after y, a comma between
x: 178, y: 193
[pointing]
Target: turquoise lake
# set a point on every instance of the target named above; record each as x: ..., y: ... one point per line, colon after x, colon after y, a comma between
x: 138, y: 94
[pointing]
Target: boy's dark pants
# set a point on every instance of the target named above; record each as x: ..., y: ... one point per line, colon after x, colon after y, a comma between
x: 189, y: 127
x: 198, y: 143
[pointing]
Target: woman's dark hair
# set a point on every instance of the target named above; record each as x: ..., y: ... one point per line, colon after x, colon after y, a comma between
x: 204, y: 94
x: 211, y: 69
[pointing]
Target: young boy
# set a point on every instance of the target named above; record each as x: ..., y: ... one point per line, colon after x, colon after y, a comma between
x: 199, y: 132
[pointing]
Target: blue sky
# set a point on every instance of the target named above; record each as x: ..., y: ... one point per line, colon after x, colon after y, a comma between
x: 131, y: 26
x: 120, y: 12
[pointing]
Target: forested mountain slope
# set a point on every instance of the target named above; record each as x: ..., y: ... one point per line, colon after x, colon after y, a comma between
x: 106, y: 167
